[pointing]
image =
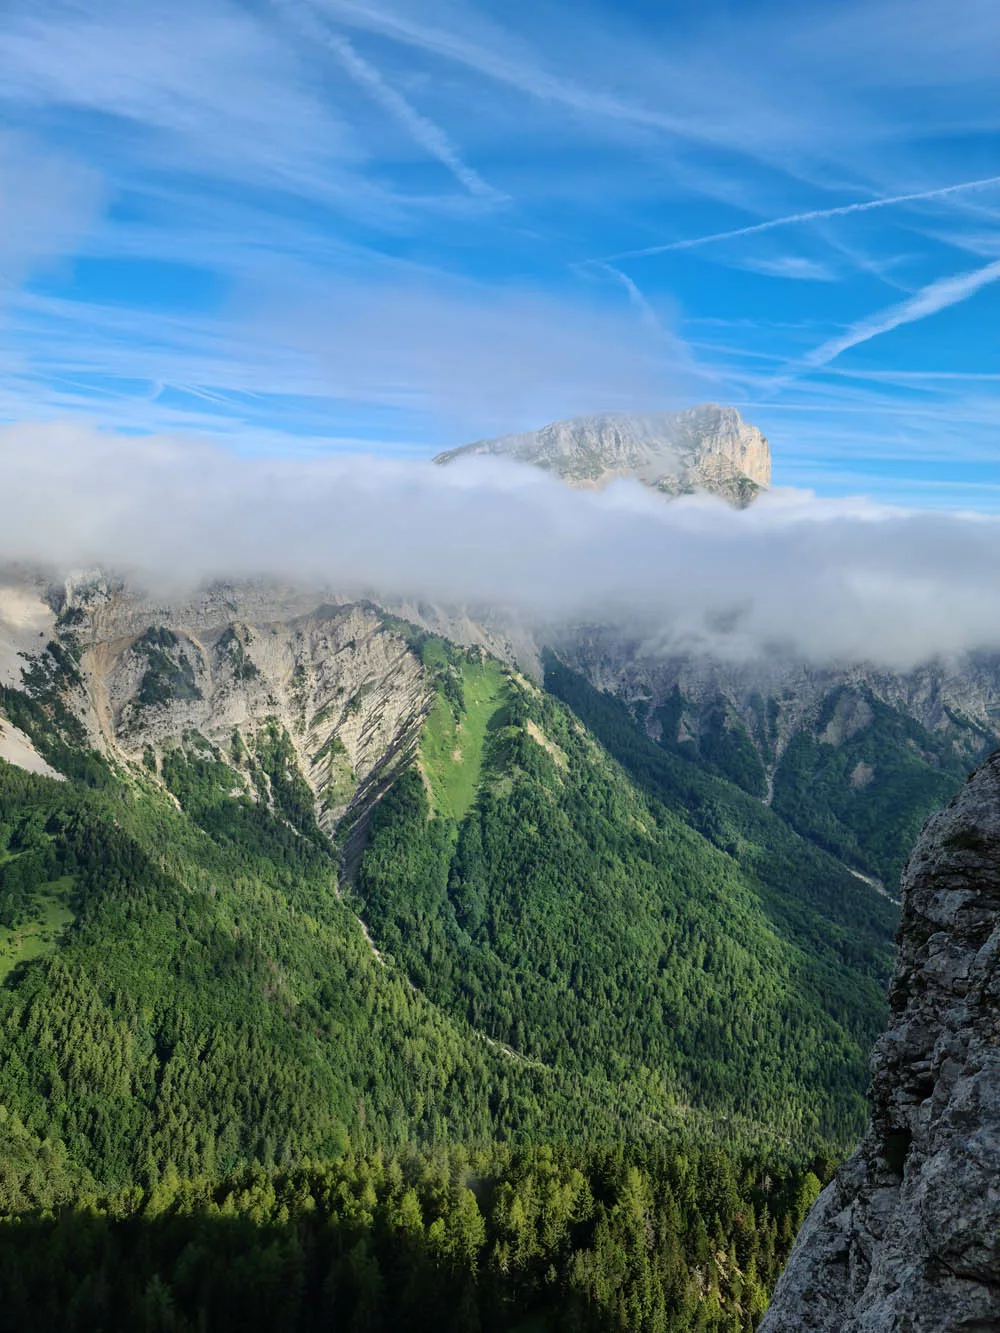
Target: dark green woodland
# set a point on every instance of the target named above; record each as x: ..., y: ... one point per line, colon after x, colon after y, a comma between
x: 563, y: 1031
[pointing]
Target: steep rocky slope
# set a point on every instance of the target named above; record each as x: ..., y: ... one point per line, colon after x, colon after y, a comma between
x: 342, y: 683
x: 854, y: 757
x: 703, y: 448
x: 236, y: 667
x: 907, y: 1237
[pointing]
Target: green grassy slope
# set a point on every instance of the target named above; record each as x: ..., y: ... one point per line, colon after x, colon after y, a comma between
x: 37, y: 933
x: 587, y: 926
x: 454, y: 736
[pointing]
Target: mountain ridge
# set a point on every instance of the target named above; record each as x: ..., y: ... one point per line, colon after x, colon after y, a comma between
x: 707, y: 447
x: 311, y: 721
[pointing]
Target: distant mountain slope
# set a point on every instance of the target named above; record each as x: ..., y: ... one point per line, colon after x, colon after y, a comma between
x: 854, y: 758
x: 702, y: 448
x: 629, y: 955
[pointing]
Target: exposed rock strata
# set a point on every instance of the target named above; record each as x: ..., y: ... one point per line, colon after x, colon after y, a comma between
x: 959, y: 699
x: 228, y: 665
x: 16, y: 748
x: 906, y: 1239
x: 703, y: 448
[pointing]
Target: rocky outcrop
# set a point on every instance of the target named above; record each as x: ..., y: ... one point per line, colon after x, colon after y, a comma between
x: 230, y: 667
x: 958, y: 700
x: 703, y: 448
x: 907, y: 1236
x: 16, y: 748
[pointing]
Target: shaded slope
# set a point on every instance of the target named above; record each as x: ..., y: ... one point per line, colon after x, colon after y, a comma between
x: 214, y: 1001
x: 866, y: 797
x: 810, y: 897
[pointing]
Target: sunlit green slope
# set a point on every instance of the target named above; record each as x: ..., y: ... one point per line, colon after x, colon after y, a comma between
x: 576, y: 919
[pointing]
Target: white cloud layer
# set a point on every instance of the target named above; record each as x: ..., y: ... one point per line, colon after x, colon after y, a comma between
x: 831, y: 580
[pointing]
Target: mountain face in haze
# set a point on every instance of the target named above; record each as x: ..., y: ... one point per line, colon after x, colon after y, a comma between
x: 707, y: 448
x: 908, y: 1235
x: 853, y: 757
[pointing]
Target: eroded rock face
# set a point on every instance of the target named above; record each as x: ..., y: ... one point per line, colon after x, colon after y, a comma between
x: 703, y: 448
x: 907, y: 1236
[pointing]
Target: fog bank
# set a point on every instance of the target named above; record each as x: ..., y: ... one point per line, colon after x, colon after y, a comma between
x: 829, y: 580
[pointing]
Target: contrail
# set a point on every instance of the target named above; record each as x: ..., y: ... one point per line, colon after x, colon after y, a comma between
x: 423, y: 131
x: 811, y: 216
x: 928, y: 301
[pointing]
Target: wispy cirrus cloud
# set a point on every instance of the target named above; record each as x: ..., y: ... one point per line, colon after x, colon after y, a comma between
x: 48, y: 202
x: 378, y: 227
x: 428, y: 360
x: 422, y: 130
x: 198, y: 88
x: 798, y: 268
x: 928, y: 301
x: 502, y: 58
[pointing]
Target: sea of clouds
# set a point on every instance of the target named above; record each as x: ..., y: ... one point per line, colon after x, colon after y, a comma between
x: 831, y: 581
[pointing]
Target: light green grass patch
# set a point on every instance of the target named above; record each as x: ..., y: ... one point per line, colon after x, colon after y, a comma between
x: 451, y: 747
x: 39, y: 935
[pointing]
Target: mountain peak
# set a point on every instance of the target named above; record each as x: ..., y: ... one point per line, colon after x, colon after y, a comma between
x: 708, y: 447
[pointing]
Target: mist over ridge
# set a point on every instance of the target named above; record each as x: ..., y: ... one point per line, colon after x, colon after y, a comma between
x: 828, y: 580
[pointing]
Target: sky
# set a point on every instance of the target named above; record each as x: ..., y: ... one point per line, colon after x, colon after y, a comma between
x: 311, y: 228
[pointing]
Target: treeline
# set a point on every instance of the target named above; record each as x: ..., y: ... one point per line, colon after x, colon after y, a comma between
x: 476, y: 1241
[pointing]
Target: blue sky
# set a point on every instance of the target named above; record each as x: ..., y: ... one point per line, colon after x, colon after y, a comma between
x: 304, y: 226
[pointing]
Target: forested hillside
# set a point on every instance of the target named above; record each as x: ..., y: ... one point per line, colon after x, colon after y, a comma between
x: 854, y: 759
x: 584, y: 924
x: 571, y: 1069
x: 471, y: 1240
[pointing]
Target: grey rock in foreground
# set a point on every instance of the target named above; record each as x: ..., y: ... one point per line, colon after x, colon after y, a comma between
x: 907, y: 1236
x: 707, y: 448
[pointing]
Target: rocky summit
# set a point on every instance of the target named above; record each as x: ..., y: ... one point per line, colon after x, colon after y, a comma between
x: 706, y: 448
x: 907, y: 1236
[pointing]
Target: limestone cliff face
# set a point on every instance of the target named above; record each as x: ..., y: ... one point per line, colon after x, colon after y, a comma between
x: 906, y: 1239
x: 232, y: 668
x: 703, y: 448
